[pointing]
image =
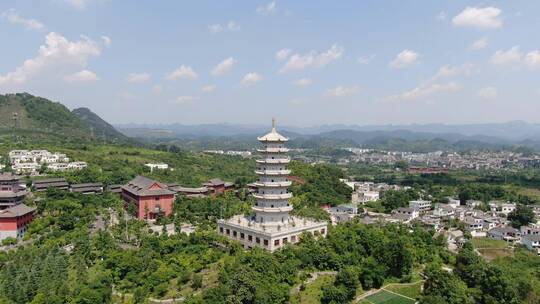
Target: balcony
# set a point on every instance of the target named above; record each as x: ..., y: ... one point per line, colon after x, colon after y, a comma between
x: 272, y: 210
x: 273, y: 150
x: 272, y: 184
x: 273, y: 172
x: 272, y: 196
x: 274, y: 161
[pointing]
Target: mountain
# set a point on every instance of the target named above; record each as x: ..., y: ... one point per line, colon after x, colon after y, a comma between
x: 99, y: 128
x: 36, y: 117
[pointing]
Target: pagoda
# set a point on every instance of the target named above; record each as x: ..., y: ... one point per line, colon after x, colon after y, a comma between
x: 270, y: 226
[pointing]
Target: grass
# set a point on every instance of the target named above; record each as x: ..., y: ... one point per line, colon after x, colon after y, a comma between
x: 487, y: 243
x: 411, y: 291
x: 491, y: 254
x: 313, y: 291
x: 386, y: 297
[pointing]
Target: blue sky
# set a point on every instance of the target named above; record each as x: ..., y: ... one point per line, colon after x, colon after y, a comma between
x: 304, y: 62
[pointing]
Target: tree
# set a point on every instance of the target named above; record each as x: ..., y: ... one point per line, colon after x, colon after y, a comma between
x: 372, y: 274
x: 442, y: 285
x: 334, y: 295
x: 348, y: 278
x: 522, y: 216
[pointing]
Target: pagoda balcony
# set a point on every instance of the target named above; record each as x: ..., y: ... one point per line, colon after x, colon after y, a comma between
x: 272, y: 184
x: 273, y: 172
x: 274, y: 161
x: 273, y: 150
x: 272, y: 210
x: 283, y: 196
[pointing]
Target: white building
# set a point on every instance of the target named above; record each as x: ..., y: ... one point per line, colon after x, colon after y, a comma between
x: 159, y: 166
x: 271, y: 226
x: 420, y: 205
x: 25, y: 168
x: 532, y: 242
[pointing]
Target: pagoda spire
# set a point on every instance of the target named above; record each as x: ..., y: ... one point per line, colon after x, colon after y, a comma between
x: 274, y: 125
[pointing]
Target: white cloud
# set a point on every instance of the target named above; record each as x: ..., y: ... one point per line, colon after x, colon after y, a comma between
x: 478, y: 17
x: 209, y: 88
x: 183, y: 71
x: 58, y: 56
x: 283, y: 54
x: 138, y: 77
x: 218, y: 28
x: 186, y: 99
x: 107, y: 41
x: 13, y: 17
x: 441, y: 16
x: 224, y: 66
x: 366, y: 59
x: 267, y: 8
x: 215, y: 28
x: 312, y: 59
x: 342, y: 91
x: 126, y: 95
x: 425, y: 91
x: 297, y: 101
x: 250, y: 79
x: 404, y: 59
x: 480, y: 44
x: 233, y: 26
x: 511, y: 56
x: 302, y: 82
x: 81, y: 77
x: 532, y: 59
x: 488, y: 93
x: 514, y: 57
x: 78, y: 4
x: 157, y: 89
x: 438, y: 83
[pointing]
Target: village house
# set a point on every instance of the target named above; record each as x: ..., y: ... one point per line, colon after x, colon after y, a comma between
x: 421, y: 205
x: 507, y: 234
x: 14, y: 221
x: 411, y: 212
x: 151, y: 198
x: 502, y: 207
x: 443, y: 210
x: 342, y: 213
x: 532, y: 242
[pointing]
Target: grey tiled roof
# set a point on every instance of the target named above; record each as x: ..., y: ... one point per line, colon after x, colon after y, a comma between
x: 140, y: 186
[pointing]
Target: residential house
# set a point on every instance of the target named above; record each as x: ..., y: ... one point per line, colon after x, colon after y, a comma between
x: 508, y: 234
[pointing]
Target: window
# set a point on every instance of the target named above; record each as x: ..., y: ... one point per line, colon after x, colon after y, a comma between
x: 227, y: 231
x: 234, y: 233
x: 285, y: 240
x: 221, y: 230
x: 322, y: 231
x: 265, y: 242
x: 293, y: 238
x: 257, y: 240
x: 276, y: 242
x: 242, y: 235
x: 250, y: 238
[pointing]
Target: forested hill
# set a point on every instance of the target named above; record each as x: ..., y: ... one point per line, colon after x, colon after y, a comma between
x: 34, y: 116
x: 100, y: 128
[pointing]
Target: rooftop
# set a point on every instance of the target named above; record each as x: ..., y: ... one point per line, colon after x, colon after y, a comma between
x: 143, y: 186
x: 273, y: 135
x: 17, y: 210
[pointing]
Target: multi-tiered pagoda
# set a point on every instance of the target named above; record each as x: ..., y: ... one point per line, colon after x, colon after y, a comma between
x: 270, y: 226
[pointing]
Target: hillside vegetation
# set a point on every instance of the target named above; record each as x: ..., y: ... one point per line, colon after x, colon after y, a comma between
x: 42, y: 119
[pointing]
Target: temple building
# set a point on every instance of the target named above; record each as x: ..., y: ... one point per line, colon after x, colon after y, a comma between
x: 14, y: 221
x: 151, y: 198
x: 11, y: 192
x: 270, y: 226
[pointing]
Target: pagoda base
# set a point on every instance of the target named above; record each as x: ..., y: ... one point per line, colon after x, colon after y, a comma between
x: 269, y: 237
